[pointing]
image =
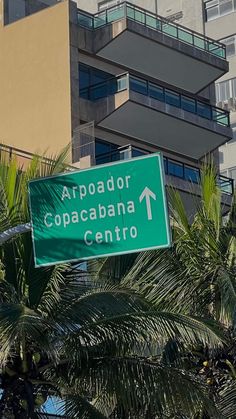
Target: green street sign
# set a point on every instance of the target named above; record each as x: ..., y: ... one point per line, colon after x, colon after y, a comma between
x: 106, y: 210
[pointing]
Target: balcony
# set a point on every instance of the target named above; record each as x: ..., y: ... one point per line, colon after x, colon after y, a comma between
x: 173, y: 168
x: 117, y: 32
x: 156, y: 115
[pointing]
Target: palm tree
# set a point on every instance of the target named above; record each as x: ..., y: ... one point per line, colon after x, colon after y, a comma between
x: 197, y: 277
x: 95, y: 338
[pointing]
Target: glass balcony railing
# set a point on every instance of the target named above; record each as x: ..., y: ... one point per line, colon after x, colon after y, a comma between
x: 157, y: 92
x: 137, y: 14
x: 121, y: 153
x: 172, y: 167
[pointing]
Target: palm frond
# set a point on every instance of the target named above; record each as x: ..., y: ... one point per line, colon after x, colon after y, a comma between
x: 226, y: 400
x: 17, y: 322
x: 167, y: 390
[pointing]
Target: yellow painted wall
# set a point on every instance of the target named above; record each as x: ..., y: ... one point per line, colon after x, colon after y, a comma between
x: 35, y: 103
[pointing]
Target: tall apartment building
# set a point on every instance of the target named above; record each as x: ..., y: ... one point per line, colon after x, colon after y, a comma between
x: 216, y: 19
x: 115, y: 80
x: 220, y: 23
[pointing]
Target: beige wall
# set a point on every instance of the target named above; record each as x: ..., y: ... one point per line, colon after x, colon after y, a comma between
x: 221, y: 27
x: 192, y: 12
x: 35, y: 95
x: 92, y: 5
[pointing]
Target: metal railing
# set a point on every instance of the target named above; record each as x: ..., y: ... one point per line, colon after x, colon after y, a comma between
x: 24, y: 158
x: 121, y: 153
x: 172, y: 167
x: 157, y: 92
x: 137, y: 14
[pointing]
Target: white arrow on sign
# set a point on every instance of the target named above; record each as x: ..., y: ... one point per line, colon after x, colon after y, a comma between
x: 148, y: 194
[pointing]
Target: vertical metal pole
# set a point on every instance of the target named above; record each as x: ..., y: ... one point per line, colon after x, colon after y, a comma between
x: 156, y: 7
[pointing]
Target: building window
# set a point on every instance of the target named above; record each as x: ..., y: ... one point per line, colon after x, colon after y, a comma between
x: 230, y: 44
x: 90, y: 76
x: 221, y: 161
x: 225, y: 90
x: 105, y: 152
x: 217, y: 8
x: 14, y: 10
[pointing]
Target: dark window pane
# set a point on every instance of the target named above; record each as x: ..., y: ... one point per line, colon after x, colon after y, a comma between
x: 156, y: 92
x: 191, y: 174
x: 172, y: 98
x: 188, y: 104
x: 175, y: 169
x: 204, y: 110
x: 102, y: 147
x: 84, y: 77
x: 105, y: 152
x: 115, y: 156
x: 137, y: 153
x: 89, y: 76
x: 103, y: 159
x: 138, y: 85
x: 165, y: 165
x: 98, y: 76
x: 112, y: 86
x: 16, y: 10
x: 85, y: 93
x: 98, y: 92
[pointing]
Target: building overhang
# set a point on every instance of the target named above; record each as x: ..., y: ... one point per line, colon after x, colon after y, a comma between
x: 156, y: 54
x: 150, y: 121
x: 160, y: 56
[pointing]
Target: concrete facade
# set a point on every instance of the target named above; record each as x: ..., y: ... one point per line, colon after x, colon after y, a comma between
x: 92, y: 6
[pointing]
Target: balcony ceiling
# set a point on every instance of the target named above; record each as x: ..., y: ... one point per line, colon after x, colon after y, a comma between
x: 159, y: 56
